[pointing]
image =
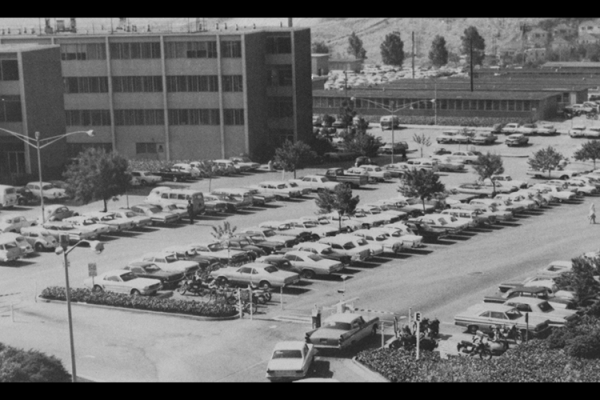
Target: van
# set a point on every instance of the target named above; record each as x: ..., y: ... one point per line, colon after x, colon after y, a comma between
x: 386, y: 122
x: 243, y: 197
x: 9, y: 250
x: 8, y: 196
x: 166, y: 195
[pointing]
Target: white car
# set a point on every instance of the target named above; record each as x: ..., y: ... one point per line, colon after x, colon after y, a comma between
x: 170, y: 262
x: 108, y: 218
x: 370, y: 220
x: 555, y: 268
x: 375, y: 209
x: 231, y: 166
x: 22, y: 243
x: 577, y: 131
x: 517, y: 199
x: 375, y: 174
x: 353, y: 246
x: 290, y: 360
x: 380, y: 238
x: 144, y: 178
x: 527, y: 129
x: 344, y: 222
x: 279, y: 189
x: 316, y: 183
x: 563, y: 185
x: 14, y: 223
x: 581, y: 186
x: 497, y: 205
x: 183, y: 167
x: 423, y: 164
x: 508, y: 180
x: 123, y: 281
x: 220, y: 252
x: 404, y: 233
x: 313, y: 226
x: 75, y: 233
x: 137, y: 220
x: 50, y: 191
x: 310, y: 265
x: 591, y: 132
x: 39, y: 238
x: 320, y: 220
x: 556, y: 192
x: 245, y: 162
x: 546, y: 129
x: 88, y: 223
x: 511, y: 128
x: 466, y: 156
x: 294, y: 186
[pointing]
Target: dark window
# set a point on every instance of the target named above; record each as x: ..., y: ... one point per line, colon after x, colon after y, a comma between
x: 279, y: 45
x: 148, y: 148
x: 280, y: 107
x: 231, y: 49
x: 234, y: 116
x: 9, y: 70
x: 10, y: 109
x: 232, y: 83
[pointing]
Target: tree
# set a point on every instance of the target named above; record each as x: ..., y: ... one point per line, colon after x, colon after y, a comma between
x: 546, y: 159
x: 471, y: 35
x: 223, y: 233
x: 422, y: 140
x: 487, y: 166
x: 580, y: 279
x: 18, y: 365
x: 355, y: 47
x: 292, y: 156
x: 320, y: 48
x: 341, y: 200
x: 590, y: 150
x: 392, y: 49
x: 97, y: 175
x: 424, y: 184
x: 438, y: 55
x: 357, y: 141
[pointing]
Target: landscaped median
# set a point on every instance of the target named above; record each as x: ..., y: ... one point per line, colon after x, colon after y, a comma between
x: 145, y: 303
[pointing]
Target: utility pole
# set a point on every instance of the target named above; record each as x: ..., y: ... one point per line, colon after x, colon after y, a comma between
x: 413, y: 54
x: 471, y: 59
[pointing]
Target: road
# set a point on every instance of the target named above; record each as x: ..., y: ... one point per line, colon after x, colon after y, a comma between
x: 440, y: 280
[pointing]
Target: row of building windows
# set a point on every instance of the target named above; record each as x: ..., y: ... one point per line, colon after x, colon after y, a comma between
x: 149, y: 148
x: 86, y: 84
x: 423, y: 104
x: 10, y: 109
x: 131, y: 51
x: 280, y: 75
x: 231, y: 49
x: 9, y: 70
x: 280, y: 107
x: 134, y: 84
x: 191, y: 49
x: 204, y: 83
x: 82, y: 51
x: 154, y: 117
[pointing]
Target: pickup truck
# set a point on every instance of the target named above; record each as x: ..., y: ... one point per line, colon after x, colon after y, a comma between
x: 354, y: 181
x: 342, y: 330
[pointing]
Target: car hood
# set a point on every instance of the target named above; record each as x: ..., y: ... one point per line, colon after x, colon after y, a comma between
x: 142, y: 282
x: 285, y: 364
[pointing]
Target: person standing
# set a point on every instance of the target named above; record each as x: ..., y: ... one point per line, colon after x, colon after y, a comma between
x: 190, y: 210
x: 592, y: 214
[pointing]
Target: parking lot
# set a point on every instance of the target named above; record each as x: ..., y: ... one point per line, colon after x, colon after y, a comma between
x: 440, y: 280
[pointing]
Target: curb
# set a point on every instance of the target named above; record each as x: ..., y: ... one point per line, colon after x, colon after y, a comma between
x: 195, y: 317
x: 374, y: 376
x: 514, y: 156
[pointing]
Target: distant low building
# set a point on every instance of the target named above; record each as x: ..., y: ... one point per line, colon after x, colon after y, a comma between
x: 535, y: 54
x: 563, y: 30
x: 537, y: 36
x: 354, y: 64
x: 320, y: 64
x: 559, y: 44
x: 590, y: 27
x: 588, y: 38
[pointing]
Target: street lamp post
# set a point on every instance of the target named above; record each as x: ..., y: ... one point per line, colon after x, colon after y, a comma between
x: 392, y: 110
x: 39, y: 144
x: 64, y: 249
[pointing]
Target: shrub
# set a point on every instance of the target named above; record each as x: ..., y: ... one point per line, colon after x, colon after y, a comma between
x: 141, y: 302
x: 585, y: 346
x: 559, y: 337
x: 18, y: 365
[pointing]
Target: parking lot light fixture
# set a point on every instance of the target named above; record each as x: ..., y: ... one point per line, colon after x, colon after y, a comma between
x: 39, y: 144
x: 64, y: 250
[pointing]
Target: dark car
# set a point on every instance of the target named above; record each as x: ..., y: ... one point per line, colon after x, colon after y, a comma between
x: 267, y: 246
x: 214, y: 204
x: 428, y: 232
x: 538, y: 292
x: 169, y: 174
x: 25, y: 196
x: 363, y: 160
x: 280, y: 262
x: 245, y: 244
x: 142, y: 269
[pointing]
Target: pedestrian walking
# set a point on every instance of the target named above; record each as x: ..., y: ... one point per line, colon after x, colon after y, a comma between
x: 190, y: 210
x: 592, y: 214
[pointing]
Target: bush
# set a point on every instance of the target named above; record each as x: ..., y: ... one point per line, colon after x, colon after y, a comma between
x: 18, y: 365
x: 585, y: 346
x: 141, y: 302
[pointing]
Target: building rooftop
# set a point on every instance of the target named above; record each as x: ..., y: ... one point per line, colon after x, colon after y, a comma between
x: 430, y: 94
x: 20, y: 47
x: 571, y: 64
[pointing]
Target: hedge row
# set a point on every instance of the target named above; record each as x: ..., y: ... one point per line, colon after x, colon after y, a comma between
x: 579, y: 339
x: 17, y: 365
x: 534, y: 361
x: 141, y: 302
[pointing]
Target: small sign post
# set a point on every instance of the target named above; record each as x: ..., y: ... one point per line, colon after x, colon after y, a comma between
x: 418, y: 337
x: 92, y: 271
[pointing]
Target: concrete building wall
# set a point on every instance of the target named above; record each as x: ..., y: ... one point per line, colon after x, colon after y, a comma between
x: 303, y: 84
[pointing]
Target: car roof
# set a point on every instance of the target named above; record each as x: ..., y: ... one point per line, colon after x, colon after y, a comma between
x: 343, y: 317
x: 526, y: 300
x: 139, y: 263
x: 290, y: 345
x: 491, y: 307
x: 315, y: 245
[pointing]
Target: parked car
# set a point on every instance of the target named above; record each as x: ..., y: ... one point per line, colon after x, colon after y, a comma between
x: 89, y: 223
x: 290, y: 360
x: 314, y: 227
x: 402, y: 232
x: 247, y: 245
x: 556, y: 192
x: 245, y: 162
x: 129, y: 216
x: 324, y: 251
x: 342, y: 330
x: 344, y: 222
x: 396, y: 148
x: 510, y: 128
x: 447, y: 164
x: 517, y: 199
x: 142, y: 269
x: 279, y: 189
x: 428, y: 164
x: 215, y: 204
x: 348, y: 245
x: 477, y: 217
x: 317, y: 183
x: 175, y: 175
x: 446, y: 137
x: 221, y: 253
x: 497, y: 205
x: 156, y: 214
x: 482, y: 138
x: 307, y: 264
x: 508, y: 180
x: 546, y: 130
x: 260, y: 198
x: 527, y: 129
x: 389, y: 121
x: 110, y: 219
x: 24, y: 196
x: 539, y: 292
x: 144, y: 178
x: 39, y: 238
x: 14, y: 223
x: 265, y: 275
x: 388, y: 213
x: 22, y: 243
x: 57, y: 228
x: 269, y: 235
x: 380, y: 239
x: 468, y: 157
x: 516, y: 139
x: 577, y: 131
x: 442, y: 221
x: 396, y: 170
x: 58, y: 212
x: 483, y: 316
x: 543, y: 309
x: 122, y: 281
x: 300, y: 234
x: 170, y: 262
x: 464, y: 136
x: 50, y: 191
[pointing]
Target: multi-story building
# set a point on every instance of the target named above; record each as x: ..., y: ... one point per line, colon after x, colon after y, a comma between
x: 198, y: 95
x: 31, y: 100
x: 592, y: 27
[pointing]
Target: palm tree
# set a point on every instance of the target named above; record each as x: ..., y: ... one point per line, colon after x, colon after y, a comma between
x: 223, y: 234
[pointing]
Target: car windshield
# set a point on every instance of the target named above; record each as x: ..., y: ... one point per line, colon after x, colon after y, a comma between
x: 293, y: 184
x: 48, y: 187
x: 215, y: 247
x: 344, y: 326
x: 127, y: 277
x: 380, y: 238
x: 281, y: 186
x: 130, y: 214
x: 315, y: 257
x: 514, y: 314
x: 361, y: 242
x: 270, y: 269
x: 154, y: 210
x: 151, y: 268
x: 327, y: 250
x: 545, y: 307
x: 287, y: 354
x: 171, y: 258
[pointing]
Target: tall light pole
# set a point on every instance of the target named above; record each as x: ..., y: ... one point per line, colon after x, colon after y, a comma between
x: 64, y: 249
x: 39, y: 144
x: 392, y: 110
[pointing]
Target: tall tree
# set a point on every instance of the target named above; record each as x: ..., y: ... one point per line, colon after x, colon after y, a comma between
x: 341, y: 200
x: 320, y: 48
x: 97, y: 175
x: 590, y: 150
x: 438, y: 55
x: 223, y: 233
x: 422, y: 140
x: 424, y: 184
x: 292, y: 156
x: 487, y: 166
x: 546, y: 159
x: 355, y: 47
x: 392, y: 49
x: 471, y: 35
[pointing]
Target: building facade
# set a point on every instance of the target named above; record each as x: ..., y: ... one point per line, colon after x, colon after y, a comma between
x: 200, y: 95
x: 320, y: 64
x: 31, y: 100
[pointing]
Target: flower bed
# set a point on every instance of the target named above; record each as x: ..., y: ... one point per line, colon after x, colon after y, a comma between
x: 141, y: 302
x: 530, y: 362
